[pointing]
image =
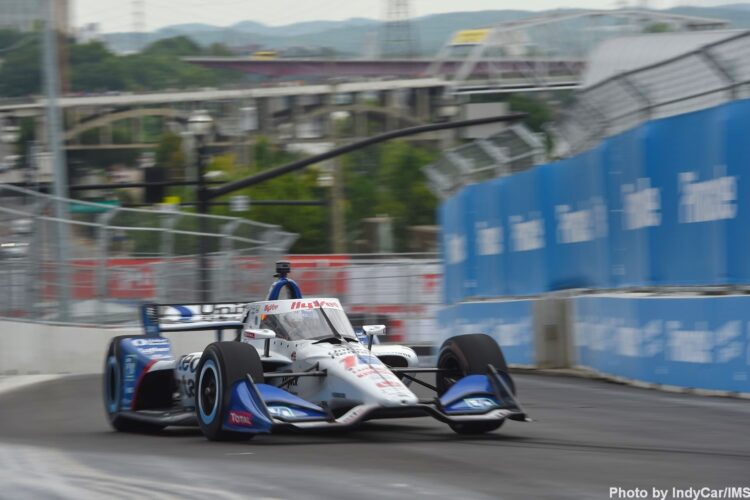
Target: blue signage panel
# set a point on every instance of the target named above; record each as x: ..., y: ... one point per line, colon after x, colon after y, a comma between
x: 684, y: 159
x: 510, y: 323
x: 577, y: 211
x: 691, y: 342
x: 490, y: 239
x: 634, y: 206
x: 737, y: 157
x: 523, y: 214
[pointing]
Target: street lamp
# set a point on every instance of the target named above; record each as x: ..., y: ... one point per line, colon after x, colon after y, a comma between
x: 338, y: 220
x: 9, y: 135
x: 200, y: 125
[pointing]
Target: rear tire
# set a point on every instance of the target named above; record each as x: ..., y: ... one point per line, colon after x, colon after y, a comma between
x: 465, y: 355
x: 112, y: 389
x: 222, y: 365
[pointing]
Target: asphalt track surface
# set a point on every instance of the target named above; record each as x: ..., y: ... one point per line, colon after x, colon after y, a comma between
x: 588, y: 436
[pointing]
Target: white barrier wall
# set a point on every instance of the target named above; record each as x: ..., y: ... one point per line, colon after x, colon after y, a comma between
x: 27, y: 348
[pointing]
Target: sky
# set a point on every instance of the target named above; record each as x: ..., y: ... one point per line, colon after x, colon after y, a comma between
x: 117, y: 15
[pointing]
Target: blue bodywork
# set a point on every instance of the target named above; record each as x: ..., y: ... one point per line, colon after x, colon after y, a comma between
x: 477, y: 394
x: 252, y: 407
x: 135, y: 356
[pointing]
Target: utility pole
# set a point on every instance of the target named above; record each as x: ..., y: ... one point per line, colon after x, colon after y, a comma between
x: 59, y: 162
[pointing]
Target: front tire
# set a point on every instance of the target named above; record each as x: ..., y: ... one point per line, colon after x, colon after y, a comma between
x: 112, y: 390
x: 465, y: 355
x: 222, y: 365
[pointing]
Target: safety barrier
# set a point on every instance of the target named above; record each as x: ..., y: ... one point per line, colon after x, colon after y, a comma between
x: 510, y: 323
x: 688, y: 342
x: 663, y: 204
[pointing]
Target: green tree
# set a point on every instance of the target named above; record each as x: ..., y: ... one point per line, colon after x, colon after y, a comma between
x: 388, y: 180
x: 170, y: 156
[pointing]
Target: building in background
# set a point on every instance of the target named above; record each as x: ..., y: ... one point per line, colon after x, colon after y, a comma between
x: 24, y: 15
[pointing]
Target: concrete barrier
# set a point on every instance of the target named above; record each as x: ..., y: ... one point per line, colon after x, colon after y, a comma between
x: 30, y: 348
x: 671, y: 342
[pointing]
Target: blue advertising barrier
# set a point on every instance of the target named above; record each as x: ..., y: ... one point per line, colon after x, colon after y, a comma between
x: 634, y: 206
x: 660, y: 205
x: 510, y: 323
x: 684, y: 158
x: 490, y: 239
x: 523, y: 209
x: 689, y: 342
x: 737, y: 154
x: 575, y: 198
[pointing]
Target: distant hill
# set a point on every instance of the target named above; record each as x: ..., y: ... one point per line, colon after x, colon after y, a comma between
x: 350, y: 37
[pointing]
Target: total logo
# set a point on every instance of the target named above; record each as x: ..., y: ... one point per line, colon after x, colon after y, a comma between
x: 240, y: 418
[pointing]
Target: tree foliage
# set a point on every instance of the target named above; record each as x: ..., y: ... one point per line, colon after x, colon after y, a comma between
x: 94, y: 68
x: 384, y: 180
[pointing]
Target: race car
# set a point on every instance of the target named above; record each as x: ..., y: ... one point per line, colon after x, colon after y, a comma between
x: 295, y: 363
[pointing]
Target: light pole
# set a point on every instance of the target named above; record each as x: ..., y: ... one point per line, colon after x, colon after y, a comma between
x: 338, y: 218
x: 200, y: 125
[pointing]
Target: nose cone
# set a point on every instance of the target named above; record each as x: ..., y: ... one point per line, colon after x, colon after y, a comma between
x: 371, y: 380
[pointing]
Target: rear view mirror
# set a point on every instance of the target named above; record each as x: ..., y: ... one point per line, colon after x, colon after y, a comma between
x: 258, y: 334
x: 374, y: 330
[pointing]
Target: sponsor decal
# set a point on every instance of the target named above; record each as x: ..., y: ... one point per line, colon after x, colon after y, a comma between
x: 270, y: 307
x: 489, y: 239
x: 527, y: 234
x: 388, y: 383
x: 145, y: 342
x: 314, y: 304
x: 130, y: 367
x: 455, y: 249
x: 349, y: 362
x: 189, y: 363
x: 241, y: 418
x: 641, y: 205
x: 709, y: 200
x: 339, y: 395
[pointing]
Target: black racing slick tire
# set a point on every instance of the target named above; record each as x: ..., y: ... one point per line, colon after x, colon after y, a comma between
x: 222, y: 365
x: 112, y: 391
x: 470, y: 355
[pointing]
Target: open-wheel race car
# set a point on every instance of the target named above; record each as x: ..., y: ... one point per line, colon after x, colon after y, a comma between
x: 295, y: 363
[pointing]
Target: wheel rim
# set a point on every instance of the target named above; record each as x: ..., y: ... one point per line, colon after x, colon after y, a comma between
x: 112, y: 384
x: 452, y: 372
x: 209, y: 384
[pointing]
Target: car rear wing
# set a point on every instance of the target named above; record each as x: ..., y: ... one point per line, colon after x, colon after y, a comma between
x: 157, y: 318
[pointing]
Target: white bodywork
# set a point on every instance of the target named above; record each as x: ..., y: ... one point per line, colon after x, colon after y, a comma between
x: 355, y: 375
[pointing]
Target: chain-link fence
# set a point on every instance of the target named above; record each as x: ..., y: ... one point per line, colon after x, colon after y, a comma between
x: 708, y: 76
x: 402, y: 291
x: 99, y: 261
x: 511, y: 150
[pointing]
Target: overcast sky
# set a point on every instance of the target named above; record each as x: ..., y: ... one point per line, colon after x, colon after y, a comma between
x: 117, y: 15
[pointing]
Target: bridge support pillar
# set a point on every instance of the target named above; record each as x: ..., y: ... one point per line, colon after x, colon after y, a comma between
x: 391, y: 102
x: 264, y: 115
x: 359, y: 117
x: 422, y: 104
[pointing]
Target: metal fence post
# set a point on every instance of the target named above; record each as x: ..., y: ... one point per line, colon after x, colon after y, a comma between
x: 227, y: 256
